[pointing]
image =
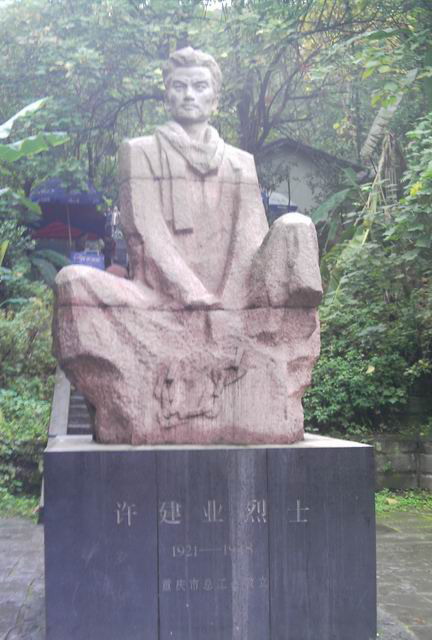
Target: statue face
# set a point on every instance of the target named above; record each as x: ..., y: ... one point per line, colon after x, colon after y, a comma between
x: 190, y: 95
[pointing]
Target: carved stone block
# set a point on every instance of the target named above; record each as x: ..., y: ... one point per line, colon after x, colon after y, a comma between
x: 190, y: 376
x: 213, y: 338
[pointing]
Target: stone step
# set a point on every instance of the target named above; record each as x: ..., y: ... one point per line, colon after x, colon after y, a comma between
x: 78, y: 415
x: 82, y: 428
x: 77, y: 402
x: 79, y: 418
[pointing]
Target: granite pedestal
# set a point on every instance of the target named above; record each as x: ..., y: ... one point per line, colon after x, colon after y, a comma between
x: 214, y: 543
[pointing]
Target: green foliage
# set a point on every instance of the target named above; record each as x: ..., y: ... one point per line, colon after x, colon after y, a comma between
x: 15, y: 235
x: 71, y: 174
x: 24, y: 506
x: 291, y: 69
x: 23, y: 436
x: 377, y: 312
x: 418, y: 501
x: 26, y: 384
x: 361, y: 382
x: 16, y: 209
x: 102, y: 64
x: 31, y: 146
x: 412, y: 225
x: 6, y: 127
x: 387, y: 61
x: 25, y: 329
x: 3, y: 248
x: 25, y: 344
x: 326, y: 208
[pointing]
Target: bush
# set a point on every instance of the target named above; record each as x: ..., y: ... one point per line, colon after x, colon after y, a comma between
x: 375, y: 351
x: 377, y: 311
x: 25, y: 347
x: 24, y: 506
x: 23, y: 437
x: 353, y: 394
x: 26, y: 385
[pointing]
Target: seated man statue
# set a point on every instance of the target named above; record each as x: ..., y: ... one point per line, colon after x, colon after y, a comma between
x: 214, y: 336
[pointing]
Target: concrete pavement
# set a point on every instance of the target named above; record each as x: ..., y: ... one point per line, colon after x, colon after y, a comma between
x: 404, y: 558
x: 404, y: 546
x: 22, y: 597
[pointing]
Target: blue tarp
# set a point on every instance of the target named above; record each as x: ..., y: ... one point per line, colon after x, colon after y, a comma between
x: 52, y: 191
x: 75, y: 209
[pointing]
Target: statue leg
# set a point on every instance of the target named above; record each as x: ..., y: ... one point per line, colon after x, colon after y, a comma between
x: 86, y: 286
x: 92, y: 342
x: 285, y: 271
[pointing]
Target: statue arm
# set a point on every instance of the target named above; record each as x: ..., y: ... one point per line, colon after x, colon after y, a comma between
x: 154, y: 257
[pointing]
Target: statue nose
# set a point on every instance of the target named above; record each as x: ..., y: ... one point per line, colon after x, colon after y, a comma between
x: 189, y: 93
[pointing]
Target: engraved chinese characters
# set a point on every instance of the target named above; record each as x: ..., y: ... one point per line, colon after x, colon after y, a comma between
x: 170, y: 512
x: 213, y: 529
x: 125, y: 512
x: 210, y: 543
x: 214, y: 540
x: 213, y: 338
x: 213, y: 512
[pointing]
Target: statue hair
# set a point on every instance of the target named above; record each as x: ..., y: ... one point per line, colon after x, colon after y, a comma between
x: 189, y: 57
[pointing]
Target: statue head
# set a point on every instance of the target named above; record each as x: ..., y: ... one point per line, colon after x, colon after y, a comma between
x: 192, y: 81
x: 189, y: 57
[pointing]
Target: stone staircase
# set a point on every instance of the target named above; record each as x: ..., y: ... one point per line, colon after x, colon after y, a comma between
x: 69, y: 416
x: 79, y: 417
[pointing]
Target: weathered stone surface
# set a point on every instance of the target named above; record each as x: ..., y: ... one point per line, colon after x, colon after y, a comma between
x: 285, y: 271
x: 397, y: 462
x: 190, y: 376
x: 396, y: 480
x: 426, y: 481
x: 214, y: 337
x: 427, y: 446
x: 426, y: 463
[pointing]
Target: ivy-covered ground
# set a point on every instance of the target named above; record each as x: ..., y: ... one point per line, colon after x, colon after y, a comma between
x: 414, y: 501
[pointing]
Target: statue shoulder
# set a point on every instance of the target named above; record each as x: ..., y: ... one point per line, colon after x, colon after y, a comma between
x: 241, y: 160
x: 139, y: 154
x: 144, y: 143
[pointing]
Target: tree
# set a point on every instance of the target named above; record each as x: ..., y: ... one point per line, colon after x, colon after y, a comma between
x: 16, y: 209
x: 102, y: 62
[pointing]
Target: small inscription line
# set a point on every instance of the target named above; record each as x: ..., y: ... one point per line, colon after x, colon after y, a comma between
x: 193, y: 550
x: 207, y: 584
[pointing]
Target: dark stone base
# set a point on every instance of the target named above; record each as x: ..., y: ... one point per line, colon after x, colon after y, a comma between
x: 215, y: 543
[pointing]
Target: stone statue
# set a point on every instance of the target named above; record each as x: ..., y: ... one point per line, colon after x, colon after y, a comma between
x: 214, y: 336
